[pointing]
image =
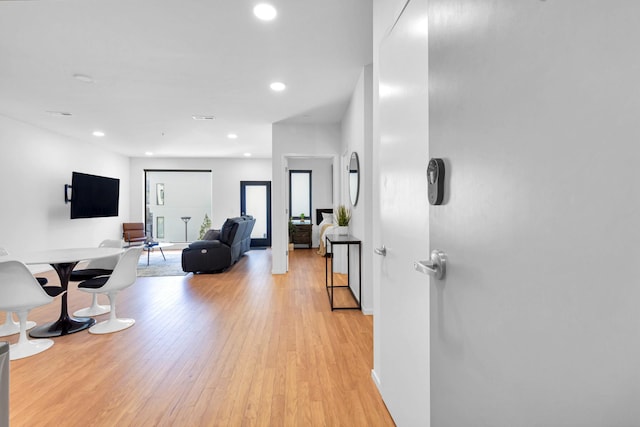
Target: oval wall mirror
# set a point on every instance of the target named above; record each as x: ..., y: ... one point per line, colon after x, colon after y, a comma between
x: 354, y: 178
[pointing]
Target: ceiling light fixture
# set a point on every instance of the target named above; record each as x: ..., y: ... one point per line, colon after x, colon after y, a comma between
x: 83, y: 78
x: 98, y: 133
x: 247, y: 154
x: 278, y: 86
x: 265, y: 12
x: 203, y: 117
x: 148, y: 153
x: 232, y: 136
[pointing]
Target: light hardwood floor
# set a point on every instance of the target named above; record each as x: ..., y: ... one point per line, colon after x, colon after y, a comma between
x: 241, y: 348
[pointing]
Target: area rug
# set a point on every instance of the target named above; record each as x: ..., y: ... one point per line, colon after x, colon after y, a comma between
x: 158, y: 266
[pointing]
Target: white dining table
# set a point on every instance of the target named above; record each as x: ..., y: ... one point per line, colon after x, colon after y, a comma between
x: 63, y: 262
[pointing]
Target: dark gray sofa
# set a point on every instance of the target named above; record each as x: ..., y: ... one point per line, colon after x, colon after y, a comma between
x: 219, y: 249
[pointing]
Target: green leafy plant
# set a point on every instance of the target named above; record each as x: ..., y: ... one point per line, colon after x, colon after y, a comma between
x: 343, y: 215
x: 302, y: 217
x: 206, y: 225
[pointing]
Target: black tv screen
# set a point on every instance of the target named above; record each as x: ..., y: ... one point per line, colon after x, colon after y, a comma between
x: 94, y: 196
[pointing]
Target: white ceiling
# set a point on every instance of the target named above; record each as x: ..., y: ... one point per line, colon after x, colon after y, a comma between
x: 156, y: 63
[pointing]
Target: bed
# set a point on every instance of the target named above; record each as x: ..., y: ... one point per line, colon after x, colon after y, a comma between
x: 326, y: 222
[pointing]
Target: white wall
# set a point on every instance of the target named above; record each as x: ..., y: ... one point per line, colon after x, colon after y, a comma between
x: 226, y: 175
x: 291, y: 141
x: 34, y: 167
x: 356, y: 129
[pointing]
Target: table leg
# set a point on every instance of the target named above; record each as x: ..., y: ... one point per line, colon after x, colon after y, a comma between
x: 65, y: 324
x: 360, y: 276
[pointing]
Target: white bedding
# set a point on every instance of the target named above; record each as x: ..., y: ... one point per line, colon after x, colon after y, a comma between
x: 325, y: 226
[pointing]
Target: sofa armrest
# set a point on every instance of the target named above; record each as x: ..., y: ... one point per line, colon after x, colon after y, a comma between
x: 205, y: 244
x: 206, y: 255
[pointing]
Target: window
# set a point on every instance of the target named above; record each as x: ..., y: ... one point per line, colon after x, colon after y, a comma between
x: 173, y: 194
x: 300, y: 193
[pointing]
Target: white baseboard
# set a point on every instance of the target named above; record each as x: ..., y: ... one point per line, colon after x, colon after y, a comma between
x: 376, y: 380
x: 367, y: 311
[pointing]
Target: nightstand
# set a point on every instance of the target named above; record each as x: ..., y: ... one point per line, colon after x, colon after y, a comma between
x: 302, y: 233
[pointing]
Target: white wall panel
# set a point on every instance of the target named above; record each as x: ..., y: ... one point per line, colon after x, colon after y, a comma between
x: 34, y: 167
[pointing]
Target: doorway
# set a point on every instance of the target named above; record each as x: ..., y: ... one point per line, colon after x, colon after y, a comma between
x: 255, y: 200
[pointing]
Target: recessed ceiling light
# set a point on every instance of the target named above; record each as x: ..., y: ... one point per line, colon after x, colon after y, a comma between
x: 232, y: 136
x: 98, y: 133
x: 203, y: 118
x: 148, y: 153
x: 83, y: 78
x: 60, y: 113
x: 265, y: 11
x: 278, y: 86
x: 247, y: 154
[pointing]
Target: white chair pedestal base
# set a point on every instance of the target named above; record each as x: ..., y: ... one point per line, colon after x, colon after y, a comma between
x: 95, y: 309
x: 28, y: 348
x: 92, y: 311
x: 11, y: 327
x: 111, y: 325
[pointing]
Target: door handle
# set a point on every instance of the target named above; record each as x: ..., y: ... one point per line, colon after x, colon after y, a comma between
x: 436, y: 266
x: 381, y: 251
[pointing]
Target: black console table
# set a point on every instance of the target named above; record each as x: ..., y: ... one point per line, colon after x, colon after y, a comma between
x: 347, y: 240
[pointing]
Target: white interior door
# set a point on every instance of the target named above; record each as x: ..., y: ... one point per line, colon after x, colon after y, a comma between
x: 534, y: 106
x: 403, y: 316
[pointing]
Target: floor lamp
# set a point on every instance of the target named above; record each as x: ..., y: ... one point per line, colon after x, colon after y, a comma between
x: 186, y: 220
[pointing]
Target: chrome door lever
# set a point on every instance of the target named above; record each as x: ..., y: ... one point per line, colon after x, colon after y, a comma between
x: 436, y: 266
x: 380, y: 251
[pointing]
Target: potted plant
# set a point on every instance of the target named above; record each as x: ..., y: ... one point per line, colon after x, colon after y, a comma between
x: 343, y: 216
x: 301, y: 217
x: 206, y: 225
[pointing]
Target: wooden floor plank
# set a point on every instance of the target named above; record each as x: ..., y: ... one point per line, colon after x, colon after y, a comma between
x: 241, y: 348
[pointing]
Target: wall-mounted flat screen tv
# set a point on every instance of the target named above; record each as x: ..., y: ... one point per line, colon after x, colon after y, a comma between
x: 94, y: 196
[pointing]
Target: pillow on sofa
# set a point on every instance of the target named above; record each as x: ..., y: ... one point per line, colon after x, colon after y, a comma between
x: 226, y: 230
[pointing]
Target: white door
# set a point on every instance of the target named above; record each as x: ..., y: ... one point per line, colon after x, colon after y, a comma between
x: 534, y: 106
x: 403, y: 315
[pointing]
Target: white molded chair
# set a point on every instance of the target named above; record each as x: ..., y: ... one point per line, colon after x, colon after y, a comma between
x: 19, y: 293
x: 123, y: 276
x: 95, y: 268
x: 10, y: 326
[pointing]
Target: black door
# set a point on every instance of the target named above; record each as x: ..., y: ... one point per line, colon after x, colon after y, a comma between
x: 255, y: 200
